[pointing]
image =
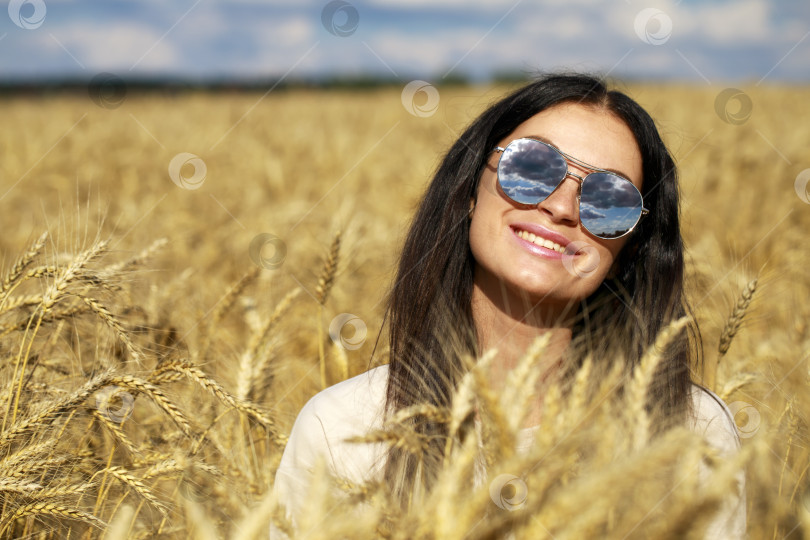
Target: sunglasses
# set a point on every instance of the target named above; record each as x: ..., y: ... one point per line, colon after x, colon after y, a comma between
x: 529, y: 170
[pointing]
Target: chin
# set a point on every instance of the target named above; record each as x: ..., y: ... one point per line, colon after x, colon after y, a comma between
x: 555, y: 290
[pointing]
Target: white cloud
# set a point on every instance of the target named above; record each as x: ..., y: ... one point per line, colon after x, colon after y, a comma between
x: 445, y: 4
x: 118, y: 46
x: 732, y: 22
x: 722, y: 38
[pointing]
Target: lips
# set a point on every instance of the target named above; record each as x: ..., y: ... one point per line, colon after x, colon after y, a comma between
x: 540, y: 236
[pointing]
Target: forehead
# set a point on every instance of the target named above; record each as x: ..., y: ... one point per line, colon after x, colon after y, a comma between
x: 590, y: 134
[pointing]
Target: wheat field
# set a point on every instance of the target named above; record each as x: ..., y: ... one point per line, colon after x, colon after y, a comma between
x: 157, y: 341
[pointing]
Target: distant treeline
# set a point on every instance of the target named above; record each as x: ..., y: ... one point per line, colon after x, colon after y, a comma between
x: 111, y: 83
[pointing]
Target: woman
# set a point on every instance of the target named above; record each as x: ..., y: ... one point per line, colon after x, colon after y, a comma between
x: 556, y: 212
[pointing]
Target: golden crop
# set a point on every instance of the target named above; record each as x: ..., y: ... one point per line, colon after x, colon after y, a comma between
x: 150, y: 369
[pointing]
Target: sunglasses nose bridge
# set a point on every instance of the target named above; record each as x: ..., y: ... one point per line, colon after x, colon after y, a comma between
x: 554, y: 201
x: 579, y: 178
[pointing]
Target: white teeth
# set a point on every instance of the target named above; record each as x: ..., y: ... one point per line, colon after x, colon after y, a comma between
x: 543, y: 242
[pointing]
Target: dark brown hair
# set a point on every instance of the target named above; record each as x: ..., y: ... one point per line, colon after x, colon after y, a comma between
x: 430, y: 300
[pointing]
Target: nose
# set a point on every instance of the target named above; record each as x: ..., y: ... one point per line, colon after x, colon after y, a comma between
x: 562, y: 205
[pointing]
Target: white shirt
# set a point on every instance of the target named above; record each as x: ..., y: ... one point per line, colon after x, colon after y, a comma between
x: 355, y: 406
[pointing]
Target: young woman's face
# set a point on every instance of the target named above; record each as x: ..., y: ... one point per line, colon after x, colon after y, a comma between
x: 504, y: 259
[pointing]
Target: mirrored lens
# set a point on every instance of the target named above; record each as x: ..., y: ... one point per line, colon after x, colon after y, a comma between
x: 529, y: 170
x: 609, y: 205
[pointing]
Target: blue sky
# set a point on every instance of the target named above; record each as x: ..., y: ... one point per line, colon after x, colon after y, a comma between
x: 707, y: 42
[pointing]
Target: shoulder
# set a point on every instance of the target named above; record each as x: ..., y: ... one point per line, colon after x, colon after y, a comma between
x: 357, y: 400
x: 713, y: 419
x: 347, y: 409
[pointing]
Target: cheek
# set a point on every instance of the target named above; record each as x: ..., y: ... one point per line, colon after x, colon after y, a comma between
x: 487, y: 184
x: 480, y: 231
x: 590, y: 266
x: 593, y: 262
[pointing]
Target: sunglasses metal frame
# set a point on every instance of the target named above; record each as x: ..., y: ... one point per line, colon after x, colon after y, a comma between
x: 580, y: 180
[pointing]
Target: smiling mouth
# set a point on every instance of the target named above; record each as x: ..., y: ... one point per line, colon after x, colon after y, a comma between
x: 539, y: 241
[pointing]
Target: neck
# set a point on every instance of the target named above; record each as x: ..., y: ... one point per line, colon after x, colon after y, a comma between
x: 510, y: 321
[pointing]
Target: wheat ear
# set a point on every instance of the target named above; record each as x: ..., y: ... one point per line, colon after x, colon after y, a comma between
x: 224, y: 305
x: 157, y: 395
x: 324, y: 287
x: 643, y: 375
x: 198, y: 376
x: 140, y: 258
x: 735, y: 319
x: 51, y: 509
x: 126, y: 478
x: 50, y: 413
x: 248, y: 372
x: 105, y: 315
x: 23, y: 263
x: 49, y: 299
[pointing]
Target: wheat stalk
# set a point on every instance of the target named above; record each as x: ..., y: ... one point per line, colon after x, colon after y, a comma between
x: 397, y: 436
x: 463, y: 400
x: 53, y: 316
x: 643, y: 374
x: 341, y: 359
x: 49, y: 299
x: 248, y: 372
x: 327, y: 277
x: 325, y: 282
x: 522, y: 380
x: 224, y: 305
x: 735, y: 384
x: 430, y: 412
x: 138, y: 259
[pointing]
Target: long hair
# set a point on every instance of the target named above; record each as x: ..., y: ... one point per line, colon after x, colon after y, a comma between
x: 430, y: 298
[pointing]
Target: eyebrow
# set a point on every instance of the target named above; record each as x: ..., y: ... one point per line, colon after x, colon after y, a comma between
x: 548, y: 141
